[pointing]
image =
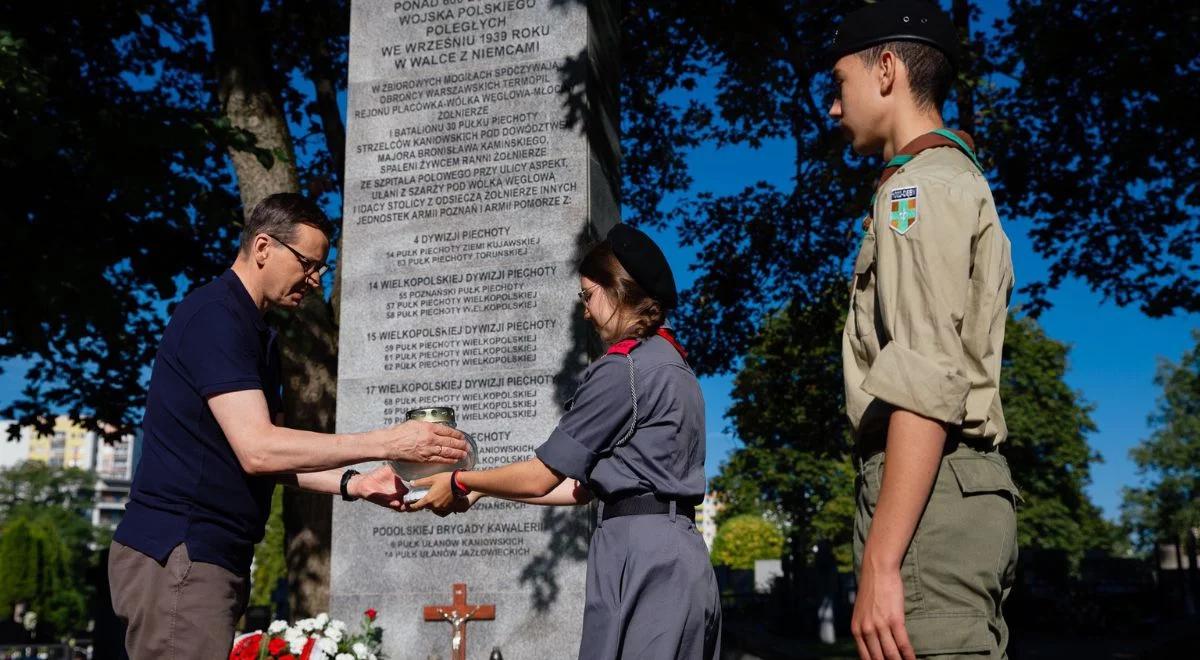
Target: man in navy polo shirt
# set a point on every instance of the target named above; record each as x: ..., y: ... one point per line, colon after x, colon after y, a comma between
x: 213, y: 452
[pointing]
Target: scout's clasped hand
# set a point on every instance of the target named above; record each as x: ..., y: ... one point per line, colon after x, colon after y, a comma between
x: 444, y: 496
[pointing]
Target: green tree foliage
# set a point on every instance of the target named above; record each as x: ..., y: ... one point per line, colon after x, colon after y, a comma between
x: 1047, y: 449
x: 119, y: 192
x: 795, y: 458
x: 743, y: 539
x: 1062, y: 127
x: 37, y: 485
x: 1076, y: 156
x: 269, y: 562
x: 789, y: 412
x: 1166, y: 507
x: 45, y: 543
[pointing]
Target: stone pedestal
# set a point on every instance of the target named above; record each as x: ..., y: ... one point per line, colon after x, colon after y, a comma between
x: 481, y: 160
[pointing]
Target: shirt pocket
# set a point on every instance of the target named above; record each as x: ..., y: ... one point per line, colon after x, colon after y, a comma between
x: 863, y: 290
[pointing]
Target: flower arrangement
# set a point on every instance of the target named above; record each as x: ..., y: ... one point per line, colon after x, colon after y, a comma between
x: 318, y: 638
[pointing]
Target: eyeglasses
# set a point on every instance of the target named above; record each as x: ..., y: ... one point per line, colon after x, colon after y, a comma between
x: 586, y: 294
x: 310, y: 266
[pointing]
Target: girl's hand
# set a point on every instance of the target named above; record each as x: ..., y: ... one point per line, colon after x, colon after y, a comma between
x: 440, y: 497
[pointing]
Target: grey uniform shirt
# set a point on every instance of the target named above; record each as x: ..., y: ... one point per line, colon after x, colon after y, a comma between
x: 665, y: 456
x: 932, y: 280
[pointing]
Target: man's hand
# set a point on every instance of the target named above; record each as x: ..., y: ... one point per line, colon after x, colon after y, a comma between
x: 878, y: 620
x: 380, y: 486
x: 423, y: 442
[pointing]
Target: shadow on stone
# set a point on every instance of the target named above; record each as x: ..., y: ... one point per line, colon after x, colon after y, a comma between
x: 567, y: 528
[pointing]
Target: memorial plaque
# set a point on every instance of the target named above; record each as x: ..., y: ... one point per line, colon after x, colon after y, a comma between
x: 480, y: 159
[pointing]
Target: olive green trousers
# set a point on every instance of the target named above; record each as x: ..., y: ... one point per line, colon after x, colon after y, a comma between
x: 962, y: 561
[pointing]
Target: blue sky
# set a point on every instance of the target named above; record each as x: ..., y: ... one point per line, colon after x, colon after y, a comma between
x: 1114, y: 350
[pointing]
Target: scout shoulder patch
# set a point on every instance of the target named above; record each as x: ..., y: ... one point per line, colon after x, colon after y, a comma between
x: 903, y: 206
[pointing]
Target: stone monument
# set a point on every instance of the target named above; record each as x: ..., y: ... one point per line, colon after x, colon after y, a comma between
x: 481, y: 158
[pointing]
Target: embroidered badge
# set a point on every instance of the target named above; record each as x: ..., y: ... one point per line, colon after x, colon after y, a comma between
x: 903, y: 209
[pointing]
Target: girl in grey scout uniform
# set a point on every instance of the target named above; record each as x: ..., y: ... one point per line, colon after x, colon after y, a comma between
x: 634, y: 438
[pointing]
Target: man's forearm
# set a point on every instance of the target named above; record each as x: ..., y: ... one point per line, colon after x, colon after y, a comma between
x: 325, y: 481
x: 284, y: 450
x: 914, y: 452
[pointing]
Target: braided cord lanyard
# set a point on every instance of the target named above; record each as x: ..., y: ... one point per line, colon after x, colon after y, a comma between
x: 633, y: 395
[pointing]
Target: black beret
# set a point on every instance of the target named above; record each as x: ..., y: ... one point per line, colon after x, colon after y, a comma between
x: 645, y: 263
x: 896, y: 20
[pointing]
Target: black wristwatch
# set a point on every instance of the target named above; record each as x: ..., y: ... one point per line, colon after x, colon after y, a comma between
x: 346, y: 476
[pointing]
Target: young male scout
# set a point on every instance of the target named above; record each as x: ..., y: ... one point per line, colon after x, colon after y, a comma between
x: 935, y: 529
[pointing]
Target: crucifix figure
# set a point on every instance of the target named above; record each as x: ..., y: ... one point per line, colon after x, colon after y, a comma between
x: 458, y: 614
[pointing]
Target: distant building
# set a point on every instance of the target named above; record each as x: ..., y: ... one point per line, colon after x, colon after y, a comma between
x: 13, y: 451
x: 70, y: 445
x: 706, y: 517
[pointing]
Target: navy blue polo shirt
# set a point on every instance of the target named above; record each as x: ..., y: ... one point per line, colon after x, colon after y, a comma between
x: 189, y: 487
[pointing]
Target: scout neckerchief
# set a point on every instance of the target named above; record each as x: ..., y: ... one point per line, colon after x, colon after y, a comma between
x: 942, y: 137
x: 625, y: 347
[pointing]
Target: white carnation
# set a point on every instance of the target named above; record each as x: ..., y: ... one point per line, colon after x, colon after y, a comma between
x: 344, y: 656
x: 322, y: 620
x: 327, y: 645
x: 293, y: 633
x: 307, y: 625
x: 277, y: 627
x: 334, y: 633
x: 360, y: 651
x: 296, y: 646
x: 316, y: 654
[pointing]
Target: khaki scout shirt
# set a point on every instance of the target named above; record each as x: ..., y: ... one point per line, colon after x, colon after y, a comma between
x: 929, y: 301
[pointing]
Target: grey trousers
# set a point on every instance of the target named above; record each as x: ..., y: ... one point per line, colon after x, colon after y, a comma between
x: 182, y: 609
x: 651, y: 592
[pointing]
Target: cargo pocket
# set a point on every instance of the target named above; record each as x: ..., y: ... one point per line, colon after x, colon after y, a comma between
x: 977, y: 475
x: 948, y: 633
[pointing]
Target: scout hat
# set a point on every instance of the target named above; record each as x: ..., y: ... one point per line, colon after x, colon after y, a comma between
x: 896, y: 20
x: 645, y: 263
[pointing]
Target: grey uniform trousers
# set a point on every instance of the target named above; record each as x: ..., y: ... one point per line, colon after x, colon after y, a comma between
x: 651, y: 592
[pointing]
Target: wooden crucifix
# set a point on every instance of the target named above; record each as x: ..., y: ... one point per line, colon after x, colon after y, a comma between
x: 457, y: 615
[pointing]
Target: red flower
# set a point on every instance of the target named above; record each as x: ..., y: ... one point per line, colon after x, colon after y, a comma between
x: 276, y: 646
x: 371, y: 614
x: 246, y: 648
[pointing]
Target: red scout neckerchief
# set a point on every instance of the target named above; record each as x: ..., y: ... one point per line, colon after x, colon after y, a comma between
x: 942, y: 137
x: 626, y: 346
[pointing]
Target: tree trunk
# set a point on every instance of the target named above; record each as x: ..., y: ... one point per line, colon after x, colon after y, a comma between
x: 331, y: 124
x: 1193, y: 583
x: 961, y: 10
x: 1189, y: 607
x: 309, y: 350
x: 249, y: 99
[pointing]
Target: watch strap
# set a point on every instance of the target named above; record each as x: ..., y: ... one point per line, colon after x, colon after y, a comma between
x: 346, y: 476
